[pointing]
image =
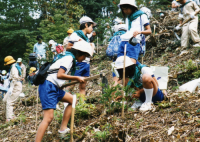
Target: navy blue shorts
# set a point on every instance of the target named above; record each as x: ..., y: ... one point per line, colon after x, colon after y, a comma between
x: 50, y: 95
x: 131, y: 51
x: 158, y: 97
x: 82, y: 69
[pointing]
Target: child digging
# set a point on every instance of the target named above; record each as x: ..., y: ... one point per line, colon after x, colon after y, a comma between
x: 50, y: 92
x: 137, y: 23
x: 145, y: 83
x: 83, y: 68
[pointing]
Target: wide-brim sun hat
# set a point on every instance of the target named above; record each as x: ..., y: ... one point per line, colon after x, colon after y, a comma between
x: 52, y: 42
x: 9, y: 60
x: 130, y: 2
x: 70, y: 31
x: 86, y: 19
x: 83, y: 46
x: 119, y: 63
x: 121, y: 27
x: 19, y: 60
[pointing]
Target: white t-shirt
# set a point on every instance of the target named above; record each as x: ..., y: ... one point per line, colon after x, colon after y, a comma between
x: 75, y: 38
x: 135, y: 26
x: 145, y: 70
x: 65, y: 63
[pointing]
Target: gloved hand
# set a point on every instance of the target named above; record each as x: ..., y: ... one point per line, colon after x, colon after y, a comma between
x: 192, y: 15
x: 178, y: 27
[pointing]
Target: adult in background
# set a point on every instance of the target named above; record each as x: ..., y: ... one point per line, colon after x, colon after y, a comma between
x: 23, y: 67
x: 65, y: 42
x: 188, y: 9
x: 175, y: 5
x: 15, y: 86
x: 40, y: 48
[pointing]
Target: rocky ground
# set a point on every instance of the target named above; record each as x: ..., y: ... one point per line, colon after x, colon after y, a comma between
x: 98, y: 120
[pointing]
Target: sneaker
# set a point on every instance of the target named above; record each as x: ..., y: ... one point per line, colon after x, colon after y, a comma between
x: 196, y: 45
x: 145, y: 107
x: 63, y: 133
x: 137, y: 104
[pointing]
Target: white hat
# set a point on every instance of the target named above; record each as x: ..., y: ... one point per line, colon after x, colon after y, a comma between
x: 52, y: 42
x: 3, y: 72
x: 83, y: 46
x: 130, y: 2
x: 118, y: 21
x: 119, y: 63
x: 86, y: 19
x: 19, y: 60
x: 121, y: 27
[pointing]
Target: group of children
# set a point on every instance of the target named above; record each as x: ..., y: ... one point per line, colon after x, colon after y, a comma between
x: 79, y: 49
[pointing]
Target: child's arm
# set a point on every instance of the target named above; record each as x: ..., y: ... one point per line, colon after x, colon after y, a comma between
x: 61, y: 75
x: 146, y: 32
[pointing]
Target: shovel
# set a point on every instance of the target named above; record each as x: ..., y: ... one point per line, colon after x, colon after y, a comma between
x: 183, y: 24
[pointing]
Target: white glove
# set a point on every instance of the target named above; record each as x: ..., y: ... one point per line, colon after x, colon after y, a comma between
x: 192, y: 15
x: 178, y: 27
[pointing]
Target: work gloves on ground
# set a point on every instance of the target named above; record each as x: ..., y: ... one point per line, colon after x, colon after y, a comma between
x: 178, y: 27
x: 192, y: 16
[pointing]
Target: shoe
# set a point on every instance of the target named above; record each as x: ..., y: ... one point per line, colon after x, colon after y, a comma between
x: 137, y: 104
x: 145, y: 107
x: 196, y: 45
x: 63, y: 133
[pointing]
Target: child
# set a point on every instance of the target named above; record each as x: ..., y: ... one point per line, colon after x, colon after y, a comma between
x: 144, y: 82
x: 15, y: 86
x: 50, y: 92
x: 83, y: 68
x: 114, y: 44
x: 136, y: 21
x: 188, y: 8
x: 65, y: 42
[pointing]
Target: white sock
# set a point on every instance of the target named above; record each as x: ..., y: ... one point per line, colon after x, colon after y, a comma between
x: 149, y: 95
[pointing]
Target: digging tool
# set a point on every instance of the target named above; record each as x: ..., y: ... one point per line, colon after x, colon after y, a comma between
x: 153, y: 40
x: 72, y: 118
x: 184, y: 22
x: 36, y: 111
x: 86, y: 79
x: 124, y: 81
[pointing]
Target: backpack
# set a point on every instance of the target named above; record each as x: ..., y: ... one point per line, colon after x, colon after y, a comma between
x: 113, y: 47
x: 59, y: 49
x: 32, y: 57
x: 143, y: 41
x: 43, y: 72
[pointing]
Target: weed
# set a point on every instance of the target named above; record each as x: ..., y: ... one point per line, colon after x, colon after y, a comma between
x: 175, y: 88
x: 58, y: 115
x: 137, y: 124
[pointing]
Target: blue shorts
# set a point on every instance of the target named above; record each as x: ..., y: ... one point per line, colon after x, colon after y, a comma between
x: 158, y: 97
x: 131, y: 51
x: 50, y: 95
x: 82, y: 69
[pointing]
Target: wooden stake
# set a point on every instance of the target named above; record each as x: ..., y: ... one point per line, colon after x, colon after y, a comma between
x: 72, y: 118
x: 124, y: 81
x: 97, y: 45
x: 142, y: 60
x: 36, y: 110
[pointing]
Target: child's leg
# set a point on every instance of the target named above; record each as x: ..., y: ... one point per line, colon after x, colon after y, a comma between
x: 82, y: 88
x: 133, y: 60
x: 48, y: 117
x: 150, y: 87
x: 67, y: 112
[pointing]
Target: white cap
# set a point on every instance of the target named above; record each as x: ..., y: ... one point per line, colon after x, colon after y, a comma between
x: 121, y: 27
x: 118, y: 21
x: 83, y: 46
x: 86, y: 19
x: 130, y: 2
x: 19, y: 60
x: 3, y: 72
x: 52, y: 42
x: 119, y: 63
